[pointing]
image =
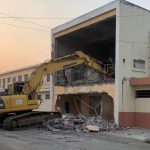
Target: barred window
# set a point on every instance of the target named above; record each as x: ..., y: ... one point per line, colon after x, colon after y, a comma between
x: 14, y: 79
x: 143, y: 94
x: 8, y: 80
x: 20, y: 78
x: 139, y: 64
x: 26, y: 77
x: 4, y: 83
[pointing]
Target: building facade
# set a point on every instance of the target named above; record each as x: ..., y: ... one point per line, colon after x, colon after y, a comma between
x: 118, y: 31
x: 23, y: 74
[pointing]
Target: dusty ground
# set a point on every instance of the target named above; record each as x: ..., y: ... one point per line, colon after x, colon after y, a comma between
x: 39, y: 139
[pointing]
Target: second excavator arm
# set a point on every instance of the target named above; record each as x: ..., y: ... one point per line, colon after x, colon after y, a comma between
x: 32, y: 86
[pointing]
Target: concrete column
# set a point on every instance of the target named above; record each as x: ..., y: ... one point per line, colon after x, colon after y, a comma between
x: 52, y: 107
x: 117, y: 67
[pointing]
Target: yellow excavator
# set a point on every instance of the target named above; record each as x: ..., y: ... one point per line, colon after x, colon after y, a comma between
x: 21, y: 98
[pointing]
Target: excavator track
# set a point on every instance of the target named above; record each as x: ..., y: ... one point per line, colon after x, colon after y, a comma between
x: 28, y: 119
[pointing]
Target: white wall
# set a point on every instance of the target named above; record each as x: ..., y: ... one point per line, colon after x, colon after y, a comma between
x: 132, y: 41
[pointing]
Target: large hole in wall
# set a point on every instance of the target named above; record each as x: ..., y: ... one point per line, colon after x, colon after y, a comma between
x: 91, y: 104
x: 96, y: 40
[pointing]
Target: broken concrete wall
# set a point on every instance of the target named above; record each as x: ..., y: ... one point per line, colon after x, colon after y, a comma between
x: 80, y: 75
x: 89, y: 105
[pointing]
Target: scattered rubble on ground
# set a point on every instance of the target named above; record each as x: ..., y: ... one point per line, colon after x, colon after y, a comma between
x: 78, y: 124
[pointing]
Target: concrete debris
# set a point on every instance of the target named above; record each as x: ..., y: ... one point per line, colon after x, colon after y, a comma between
x: 93, y: 128
x: 77, y: 124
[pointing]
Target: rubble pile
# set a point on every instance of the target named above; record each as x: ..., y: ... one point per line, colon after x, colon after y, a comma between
x: 78, y: 123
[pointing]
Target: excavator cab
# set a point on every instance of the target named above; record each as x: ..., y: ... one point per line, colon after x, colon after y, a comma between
x: 15, y: 88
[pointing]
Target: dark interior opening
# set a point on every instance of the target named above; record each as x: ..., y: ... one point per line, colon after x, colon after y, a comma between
x: 96, y: 40
x: 87, y: 104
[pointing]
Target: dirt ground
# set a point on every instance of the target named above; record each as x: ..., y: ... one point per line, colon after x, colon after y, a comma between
x: 39, y: 139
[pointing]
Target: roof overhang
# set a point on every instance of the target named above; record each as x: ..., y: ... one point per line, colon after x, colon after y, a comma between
x: 140, y: 81
x: 98, y: 14
x: 90, y: 18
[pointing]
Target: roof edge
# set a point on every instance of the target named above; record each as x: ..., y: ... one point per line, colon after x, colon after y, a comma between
x: 19, y: 69
x: 94, y: 13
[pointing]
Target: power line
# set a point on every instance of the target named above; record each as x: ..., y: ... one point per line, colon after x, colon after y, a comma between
x: 15, y: 17
x: 35, y: 23
x: 58, y: 18
x: 24, y: 27
x: 40, y: 18
x: 22, y: 19
x: 11, y: 17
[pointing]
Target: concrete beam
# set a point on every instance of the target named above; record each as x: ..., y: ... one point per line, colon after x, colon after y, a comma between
x: 86, y: 23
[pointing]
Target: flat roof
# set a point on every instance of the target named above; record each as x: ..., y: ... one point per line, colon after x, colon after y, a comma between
x: 85, y: 17
x: 19, y: 69
x: 99, y: 11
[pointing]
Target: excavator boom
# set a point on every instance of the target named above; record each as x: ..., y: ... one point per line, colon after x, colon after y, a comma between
x: 32, y: 86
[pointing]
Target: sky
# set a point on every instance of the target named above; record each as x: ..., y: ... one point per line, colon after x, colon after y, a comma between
x: 25, y: 40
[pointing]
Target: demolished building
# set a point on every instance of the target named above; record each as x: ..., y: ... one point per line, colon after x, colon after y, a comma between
x: 117, y: 33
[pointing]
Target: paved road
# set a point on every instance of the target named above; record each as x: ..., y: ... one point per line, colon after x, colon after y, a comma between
x: 36, y: 139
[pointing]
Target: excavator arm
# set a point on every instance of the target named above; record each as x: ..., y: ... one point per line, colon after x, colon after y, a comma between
x: 32, y: 86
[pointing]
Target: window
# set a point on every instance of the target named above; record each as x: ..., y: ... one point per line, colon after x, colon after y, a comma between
x: 26, y: 77
x: 139, y: 64
x: 8, y: 80
x: 48, y: 77
x: 3, y: 83
x: 143, y: 94
x: 47, y: 96
x: 14, y: 79
x: 20, y: 78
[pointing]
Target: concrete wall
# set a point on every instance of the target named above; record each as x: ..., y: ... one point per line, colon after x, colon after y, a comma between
x: 132, y: 42
x: 135, y: 111
x: 97, y: 88
x: 84, y: 91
